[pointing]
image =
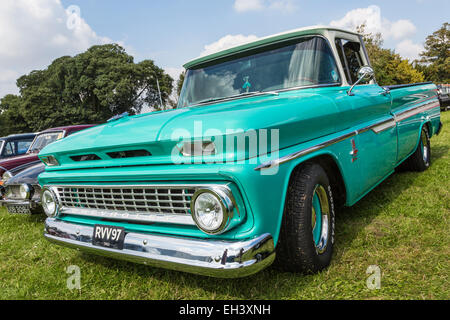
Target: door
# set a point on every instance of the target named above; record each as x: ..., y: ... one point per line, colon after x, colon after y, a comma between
x: 374, y: 148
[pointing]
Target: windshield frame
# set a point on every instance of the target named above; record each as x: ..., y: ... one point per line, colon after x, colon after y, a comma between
x: 259, y: 49
x: 30, y: 149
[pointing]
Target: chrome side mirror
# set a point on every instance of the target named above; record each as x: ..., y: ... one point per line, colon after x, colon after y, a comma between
x: 365, y: 73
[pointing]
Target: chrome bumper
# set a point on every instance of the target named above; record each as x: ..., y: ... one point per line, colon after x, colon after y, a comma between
x: 32, y: 204
x: 222, y: 259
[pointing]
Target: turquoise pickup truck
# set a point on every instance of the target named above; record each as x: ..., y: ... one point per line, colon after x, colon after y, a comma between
x: 268, y: 139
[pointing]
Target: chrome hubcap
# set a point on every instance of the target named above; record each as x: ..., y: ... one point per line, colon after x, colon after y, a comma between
x: 424, y: 143
x: 320, y: 218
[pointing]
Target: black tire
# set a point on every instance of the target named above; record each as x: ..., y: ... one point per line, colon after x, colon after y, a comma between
x: 296, y: 249
x: 420, y: 160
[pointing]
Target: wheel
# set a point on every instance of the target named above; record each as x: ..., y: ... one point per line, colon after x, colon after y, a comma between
x: 420, y: 160
x: 307, y: 232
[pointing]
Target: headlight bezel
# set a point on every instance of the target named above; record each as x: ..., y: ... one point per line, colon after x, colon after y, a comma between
x: 27, y: 190
x: 225, y: 199
x: 54, y: 213
x: 6, y: 176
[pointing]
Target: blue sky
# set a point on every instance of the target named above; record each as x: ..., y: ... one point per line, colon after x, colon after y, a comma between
x: 171, y: 32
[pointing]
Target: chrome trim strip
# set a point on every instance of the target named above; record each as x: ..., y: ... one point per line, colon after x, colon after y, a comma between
x: 215, y: 258
x: 405, y: 114
x: 383, y: 126
x: 376, y: 128
x: 30, y: 203
x: 305, y: 152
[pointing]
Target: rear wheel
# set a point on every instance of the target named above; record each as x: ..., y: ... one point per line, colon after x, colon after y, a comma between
x: 420, y: 160
x: 307, y: 232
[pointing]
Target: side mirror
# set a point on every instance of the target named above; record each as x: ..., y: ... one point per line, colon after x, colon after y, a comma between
x: 365, y: 73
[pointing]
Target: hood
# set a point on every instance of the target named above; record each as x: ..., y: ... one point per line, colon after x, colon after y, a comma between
x: 11, y: 163
x: 298, y: 116
x: 29, y: 175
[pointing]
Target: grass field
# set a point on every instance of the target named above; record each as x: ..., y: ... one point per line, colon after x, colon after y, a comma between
x: 402, y: 227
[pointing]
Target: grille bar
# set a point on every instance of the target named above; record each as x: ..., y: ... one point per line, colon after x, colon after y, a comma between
x: 146, y: 203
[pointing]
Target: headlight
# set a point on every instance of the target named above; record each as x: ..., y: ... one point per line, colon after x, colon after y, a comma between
x: 49, y: 161
x: 26, y: 191
x: 49, y: 203
x: 6, y: 176
x: 197, y: 148
x: 212, y: 210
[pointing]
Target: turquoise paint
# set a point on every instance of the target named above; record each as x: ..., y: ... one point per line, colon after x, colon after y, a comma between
x: 317, y: 230
x: 304, y: 118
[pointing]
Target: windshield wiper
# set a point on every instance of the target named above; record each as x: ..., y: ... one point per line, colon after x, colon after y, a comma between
x: 253, y: 93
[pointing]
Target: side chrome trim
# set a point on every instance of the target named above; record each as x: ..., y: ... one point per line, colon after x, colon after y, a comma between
x: 376, y: 128
x: 214, y: 258
x: 405, y: 114
x: 305, y: 152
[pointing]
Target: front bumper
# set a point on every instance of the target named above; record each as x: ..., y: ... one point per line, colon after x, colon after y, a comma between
x: 222, y: 259
x: 30, y: 204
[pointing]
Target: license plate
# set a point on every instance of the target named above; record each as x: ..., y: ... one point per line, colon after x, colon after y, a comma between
x: 15, y: 209
x: 108, y: 236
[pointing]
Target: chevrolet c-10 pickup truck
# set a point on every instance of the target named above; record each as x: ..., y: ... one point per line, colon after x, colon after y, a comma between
x: 268, y: 139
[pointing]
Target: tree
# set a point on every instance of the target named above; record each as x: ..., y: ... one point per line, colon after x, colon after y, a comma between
x: 11, y: 119
x: 89, y: 88
x: 390, y: 68
x: 435, y: 60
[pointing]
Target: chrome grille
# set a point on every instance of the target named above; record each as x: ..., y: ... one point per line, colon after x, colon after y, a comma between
x: 167, y: 203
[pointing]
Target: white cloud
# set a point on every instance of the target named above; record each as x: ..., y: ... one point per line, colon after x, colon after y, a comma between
x: 398, y: 32
x: 248, y: 5
x: 375, y: 23
x: 34, y: 33
x: 227, y: 42
x: 409, y: 49
x: 259, y: 5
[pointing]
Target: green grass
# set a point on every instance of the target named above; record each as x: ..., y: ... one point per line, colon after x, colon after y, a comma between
x: 402, y: 227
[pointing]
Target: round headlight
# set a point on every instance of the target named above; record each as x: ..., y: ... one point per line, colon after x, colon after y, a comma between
x: 211, y: 210
x: 26, y: 191
x: 49, y: 203
x: 6, y: 176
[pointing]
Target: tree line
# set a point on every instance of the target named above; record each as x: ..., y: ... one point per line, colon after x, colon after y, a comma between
x: 88, y: 88
x: 105, y: 81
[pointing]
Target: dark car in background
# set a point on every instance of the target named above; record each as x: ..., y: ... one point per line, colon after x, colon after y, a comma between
x: 13, y: 165
x: 21, y: 192
x: 15, y: 144
x: 444, y: 96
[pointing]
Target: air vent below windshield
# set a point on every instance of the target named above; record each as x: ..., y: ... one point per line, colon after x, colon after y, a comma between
x: 129, y: 154
x: 86, y: 157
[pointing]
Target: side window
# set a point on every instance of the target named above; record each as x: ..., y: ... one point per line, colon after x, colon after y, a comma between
x: 22, y: 146
x: 9, y: 149
x: 349, y: 54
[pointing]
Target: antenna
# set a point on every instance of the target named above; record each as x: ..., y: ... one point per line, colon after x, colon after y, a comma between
x: 159, y: 92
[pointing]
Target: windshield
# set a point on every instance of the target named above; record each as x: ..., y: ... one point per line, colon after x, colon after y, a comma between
x: 303, y: 62
x: 43, y: 140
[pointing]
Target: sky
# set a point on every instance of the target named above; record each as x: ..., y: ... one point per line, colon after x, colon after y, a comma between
x: 171, y: 32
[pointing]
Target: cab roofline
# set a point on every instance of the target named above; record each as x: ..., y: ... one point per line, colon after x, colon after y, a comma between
x: 287, y: 35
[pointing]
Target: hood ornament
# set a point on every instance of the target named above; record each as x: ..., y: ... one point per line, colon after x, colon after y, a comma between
x: 119, y: 116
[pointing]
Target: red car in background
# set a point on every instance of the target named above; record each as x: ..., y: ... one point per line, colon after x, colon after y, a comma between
x: 11, y: 166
